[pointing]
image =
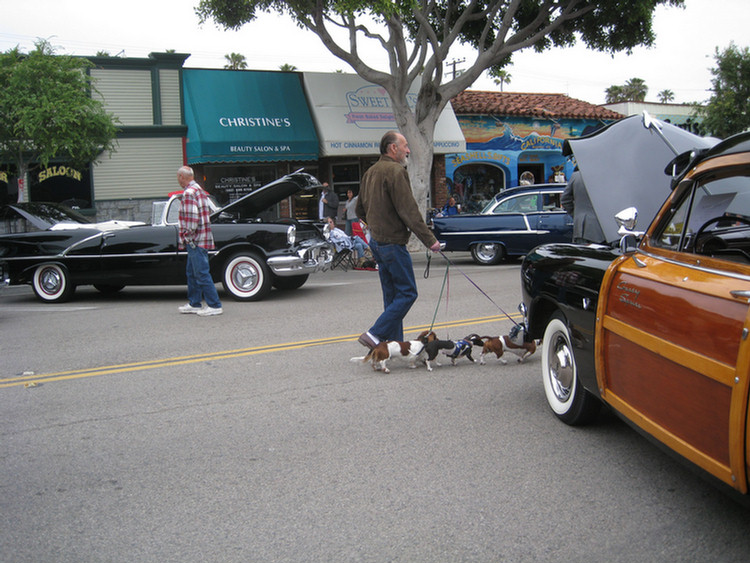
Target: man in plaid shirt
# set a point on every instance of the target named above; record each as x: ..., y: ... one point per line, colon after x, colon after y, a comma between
x: 195, y: 236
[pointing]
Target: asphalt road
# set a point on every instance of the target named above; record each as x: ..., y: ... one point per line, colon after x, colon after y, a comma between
x: 132, y: 433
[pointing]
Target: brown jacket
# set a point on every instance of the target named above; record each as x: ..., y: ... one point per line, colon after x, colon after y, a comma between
x: 386, y: 203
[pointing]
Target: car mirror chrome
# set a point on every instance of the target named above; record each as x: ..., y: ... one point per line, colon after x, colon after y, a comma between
x: 627, y: 219
x: 628, y: 243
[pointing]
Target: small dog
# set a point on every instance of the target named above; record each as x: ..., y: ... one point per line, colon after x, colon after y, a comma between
x: 410, y: 351
x: 432, y: 346
x: 514, y: 342
x: 464, y: 347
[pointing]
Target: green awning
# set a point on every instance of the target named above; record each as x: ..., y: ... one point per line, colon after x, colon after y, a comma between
x: 247, y: 116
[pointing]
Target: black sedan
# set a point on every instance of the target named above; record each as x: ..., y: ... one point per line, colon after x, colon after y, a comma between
x: 55, y: 249
x: 511, y: 224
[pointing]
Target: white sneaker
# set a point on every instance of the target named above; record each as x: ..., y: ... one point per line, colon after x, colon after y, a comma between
x: 188, y: 308
x: 210, y: 311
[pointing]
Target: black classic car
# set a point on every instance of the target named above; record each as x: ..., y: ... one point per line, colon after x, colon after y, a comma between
x: 656, y: 327
x: 54, y: 248
x: 511, y: 224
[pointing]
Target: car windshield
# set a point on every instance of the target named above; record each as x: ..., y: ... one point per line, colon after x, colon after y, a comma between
x: 37, y: 216
x: 713, y: 219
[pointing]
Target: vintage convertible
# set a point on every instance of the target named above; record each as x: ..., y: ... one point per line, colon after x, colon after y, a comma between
x: 54, y: 249
x: 657, y: 328
x: 511, y: 224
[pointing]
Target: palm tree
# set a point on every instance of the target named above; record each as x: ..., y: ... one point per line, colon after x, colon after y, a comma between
x: 666, y: 96
x: 614, y: 94
x: 235, y: 61
x: 286, y: 67
x: 636, y: 89
x: 503, y: 77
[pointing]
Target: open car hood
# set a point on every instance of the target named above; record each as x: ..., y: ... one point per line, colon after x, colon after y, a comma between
x: 623, y: 165
x: 57, y: 217
x: 264, y: 197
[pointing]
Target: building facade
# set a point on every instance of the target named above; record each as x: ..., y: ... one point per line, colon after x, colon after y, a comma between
x: 510, y: 135
x: 238, y: 130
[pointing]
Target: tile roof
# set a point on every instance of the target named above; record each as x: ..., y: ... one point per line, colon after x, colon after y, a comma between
x: 555, y: 106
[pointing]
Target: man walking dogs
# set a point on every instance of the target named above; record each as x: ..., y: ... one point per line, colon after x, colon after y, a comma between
x: 386, y: 204
x: 195, y: 235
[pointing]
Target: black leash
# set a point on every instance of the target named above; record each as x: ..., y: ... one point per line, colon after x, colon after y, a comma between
x: 451, y: 263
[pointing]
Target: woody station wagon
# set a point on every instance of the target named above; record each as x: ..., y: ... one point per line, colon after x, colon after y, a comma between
x: 658, y: 328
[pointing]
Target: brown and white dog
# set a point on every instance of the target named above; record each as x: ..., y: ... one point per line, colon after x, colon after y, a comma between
x: 410, y: 351
x: 514, y: 342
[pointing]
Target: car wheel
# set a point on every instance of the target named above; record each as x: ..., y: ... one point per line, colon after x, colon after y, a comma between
x: 289, y: 282
x: 566, y: 396
x: 107, y: 288
x: 487, y: 253
x: 247, y: 277
x: 52, y: 284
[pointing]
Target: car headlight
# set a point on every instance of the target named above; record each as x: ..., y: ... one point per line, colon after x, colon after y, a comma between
x: 291, y: 234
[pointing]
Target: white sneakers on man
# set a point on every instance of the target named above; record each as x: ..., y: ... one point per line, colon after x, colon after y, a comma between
x: 210, y: 311
x: 200, y: 311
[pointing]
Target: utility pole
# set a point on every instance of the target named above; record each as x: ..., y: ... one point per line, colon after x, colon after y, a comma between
x: 453, y: 64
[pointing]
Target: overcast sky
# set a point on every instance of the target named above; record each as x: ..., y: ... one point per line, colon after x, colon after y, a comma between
x: 680, y: 60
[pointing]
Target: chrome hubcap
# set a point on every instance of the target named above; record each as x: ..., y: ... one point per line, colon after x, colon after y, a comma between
x: 244, y: 277
x: 561, y: 368
x: 486, y: 252
x: 51, y: 281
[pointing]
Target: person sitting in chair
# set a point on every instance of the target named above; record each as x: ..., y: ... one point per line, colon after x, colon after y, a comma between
x: 342, y: 241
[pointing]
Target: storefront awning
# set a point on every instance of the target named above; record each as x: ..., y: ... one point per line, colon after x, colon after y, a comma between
x: 247, y: 116
x: 351, y: 116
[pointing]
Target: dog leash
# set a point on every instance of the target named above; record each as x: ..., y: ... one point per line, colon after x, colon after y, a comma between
x: 440, y: 297
x: 450, y: 263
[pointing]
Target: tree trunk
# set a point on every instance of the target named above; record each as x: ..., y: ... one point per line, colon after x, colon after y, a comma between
x: 420, y: 138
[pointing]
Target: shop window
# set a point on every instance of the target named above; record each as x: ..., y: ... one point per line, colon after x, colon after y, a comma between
x: 228, y: 183
x: 345, y: 176
x: 474, y: 185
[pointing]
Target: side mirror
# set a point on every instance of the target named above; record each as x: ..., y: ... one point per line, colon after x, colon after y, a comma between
x: 627, y: 220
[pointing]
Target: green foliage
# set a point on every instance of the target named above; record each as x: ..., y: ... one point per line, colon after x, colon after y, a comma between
x: 46, y: 110
x: 235, y: 61
x: 665, y: 96
x: 728, y: 110
x: 497, y: 27
x: 634, y: 90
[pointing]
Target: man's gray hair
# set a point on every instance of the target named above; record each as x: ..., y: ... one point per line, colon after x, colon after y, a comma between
x: 185, y: 171
x: 390, y: 138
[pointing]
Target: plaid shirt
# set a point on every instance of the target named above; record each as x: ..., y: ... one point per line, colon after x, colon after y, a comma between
x: 193, y: 219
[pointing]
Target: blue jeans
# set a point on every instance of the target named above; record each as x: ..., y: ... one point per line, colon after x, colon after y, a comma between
x: 399, y: 289
x: 199, y: 283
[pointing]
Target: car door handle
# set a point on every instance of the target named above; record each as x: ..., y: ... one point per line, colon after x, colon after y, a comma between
x: 741, y: 293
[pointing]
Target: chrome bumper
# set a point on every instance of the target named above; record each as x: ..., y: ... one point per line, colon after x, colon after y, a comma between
x: 306, y: 261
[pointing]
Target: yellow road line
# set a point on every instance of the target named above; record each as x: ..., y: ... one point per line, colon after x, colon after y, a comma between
x: 33, y: 380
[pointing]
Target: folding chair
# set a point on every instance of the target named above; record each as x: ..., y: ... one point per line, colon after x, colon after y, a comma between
x: 344, y: 259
